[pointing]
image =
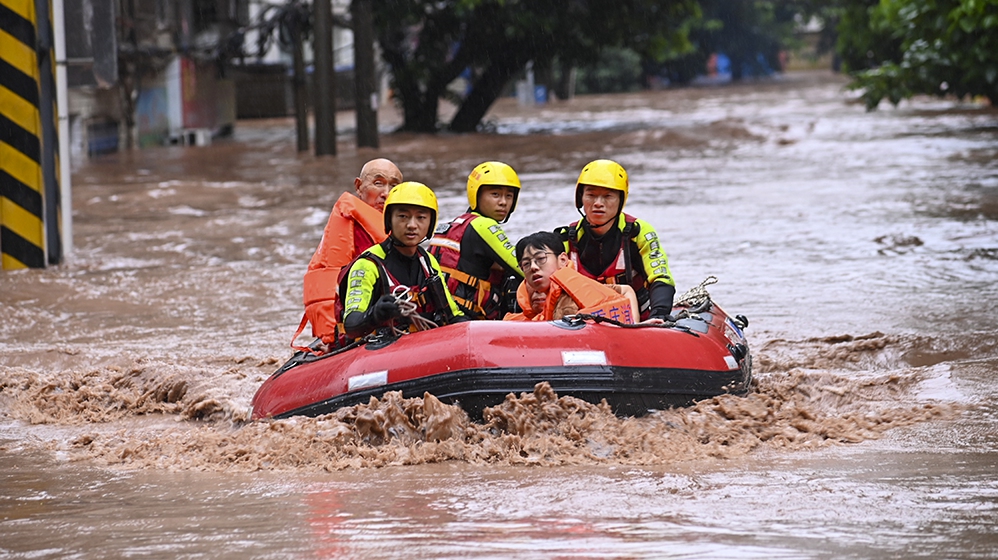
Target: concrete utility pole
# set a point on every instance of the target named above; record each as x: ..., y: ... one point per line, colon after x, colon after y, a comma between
x: 30, y: 207
x: 364, y: 74
x: 325, y: 80
x: 62, y: 107
x: 50, y: 134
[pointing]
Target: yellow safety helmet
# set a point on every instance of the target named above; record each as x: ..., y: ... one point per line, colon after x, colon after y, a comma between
x: 602, y: 173
x: 492, y: 174
x: 413, y: 194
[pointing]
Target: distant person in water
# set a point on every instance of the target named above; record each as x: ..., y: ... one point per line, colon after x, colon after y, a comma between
x: 355, y: 224
x: 397, y: 272
x: 552, y: 288
x: 474, y: 252
x: 616, y: 248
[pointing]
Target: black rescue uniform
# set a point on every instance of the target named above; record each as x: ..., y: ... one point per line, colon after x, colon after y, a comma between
x: 478, y: 261
x: 379, y: 271
x: 629, y: 253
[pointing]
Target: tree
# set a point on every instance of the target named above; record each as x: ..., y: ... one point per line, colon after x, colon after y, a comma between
x: 429, y: 43
x: 617, y: 70
x: 945, y: 47
x: 858, y: 44
x: 290, y: 25
x: 745, y: 30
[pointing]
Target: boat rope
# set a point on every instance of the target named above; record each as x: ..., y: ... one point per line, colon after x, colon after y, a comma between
x: 695, y: 300
x: 602, y: 319
x: 582, y: 317
x: 696, y: 295
x: 403, y: 298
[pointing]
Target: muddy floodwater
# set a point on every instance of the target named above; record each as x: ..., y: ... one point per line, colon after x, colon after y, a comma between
x: 863, y: 248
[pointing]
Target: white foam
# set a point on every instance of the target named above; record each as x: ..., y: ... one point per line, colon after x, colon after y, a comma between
x: 938, y: 385
x: 186, y: 211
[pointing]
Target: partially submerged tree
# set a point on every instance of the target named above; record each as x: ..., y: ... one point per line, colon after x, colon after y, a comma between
x: 945, y: 47
x: 429, y: 43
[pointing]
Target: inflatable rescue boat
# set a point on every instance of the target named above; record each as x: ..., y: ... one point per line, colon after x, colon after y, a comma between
x: 475, y: 364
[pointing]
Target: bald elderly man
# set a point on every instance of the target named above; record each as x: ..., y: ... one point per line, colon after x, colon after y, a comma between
x: 355, y: 224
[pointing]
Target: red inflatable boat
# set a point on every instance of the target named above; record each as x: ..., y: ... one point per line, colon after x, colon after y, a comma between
x: 476, y: 364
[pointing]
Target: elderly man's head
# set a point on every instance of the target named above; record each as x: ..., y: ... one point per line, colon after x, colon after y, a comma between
x: 377, y: 177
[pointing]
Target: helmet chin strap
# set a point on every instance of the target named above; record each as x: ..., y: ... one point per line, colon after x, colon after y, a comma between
x: 397, y: 243
x: 512, y: 207
x: 594, y: 226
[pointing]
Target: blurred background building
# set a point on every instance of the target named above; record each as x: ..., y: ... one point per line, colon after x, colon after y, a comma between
x: 155, y: 72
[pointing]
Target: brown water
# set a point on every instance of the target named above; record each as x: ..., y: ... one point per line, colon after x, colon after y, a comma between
x: 862, y: 246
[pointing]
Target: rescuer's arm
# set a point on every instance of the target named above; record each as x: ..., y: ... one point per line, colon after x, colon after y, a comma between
x: 360, y: 314
x: 497, y: 244
x: 661, y: 286
x: 660, y: 297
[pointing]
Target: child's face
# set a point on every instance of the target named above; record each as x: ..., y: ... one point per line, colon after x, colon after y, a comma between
x: 496, y: 202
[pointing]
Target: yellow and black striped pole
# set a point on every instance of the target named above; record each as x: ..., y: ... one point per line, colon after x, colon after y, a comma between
x: 29, y: 192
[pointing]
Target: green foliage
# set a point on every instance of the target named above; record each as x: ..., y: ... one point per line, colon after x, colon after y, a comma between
x: 861, y: 44
x: 429, y: 43
x: 617, y: 70
x: 946, y: 47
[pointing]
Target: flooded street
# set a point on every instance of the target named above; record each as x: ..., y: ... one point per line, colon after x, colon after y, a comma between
x: 863, y: 248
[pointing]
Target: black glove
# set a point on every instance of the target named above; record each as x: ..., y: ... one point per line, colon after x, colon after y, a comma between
x: 660, y: 297
x: 386, y: 309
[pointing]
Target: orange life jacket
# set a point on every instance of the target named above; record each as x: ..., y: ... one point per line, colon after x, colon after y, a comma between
x: 591, y: 297
x: 336, y: 250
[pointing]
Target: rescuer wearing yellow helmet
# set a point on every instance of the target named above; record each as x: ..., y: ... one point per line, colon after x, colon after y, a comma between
x: 398, y: 270
x: 474, y: 252
x: 616, y: 248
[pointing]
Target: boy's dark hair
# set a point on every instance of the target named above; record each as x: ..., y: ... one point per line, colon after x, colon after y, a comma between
x: 542, y: 240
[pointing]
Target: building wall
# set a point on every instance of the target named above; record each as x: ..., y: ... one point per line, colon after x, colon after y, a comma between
x: 158, y: 53
x: 155, y: 52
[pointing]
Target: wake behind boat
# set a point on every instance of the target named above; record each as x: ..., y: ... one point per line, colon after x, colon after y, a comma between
x: 475, y: 364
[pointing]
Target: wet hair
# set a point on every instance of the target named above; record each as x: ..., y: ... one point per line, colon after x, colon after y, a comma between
x: 542, y: 240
